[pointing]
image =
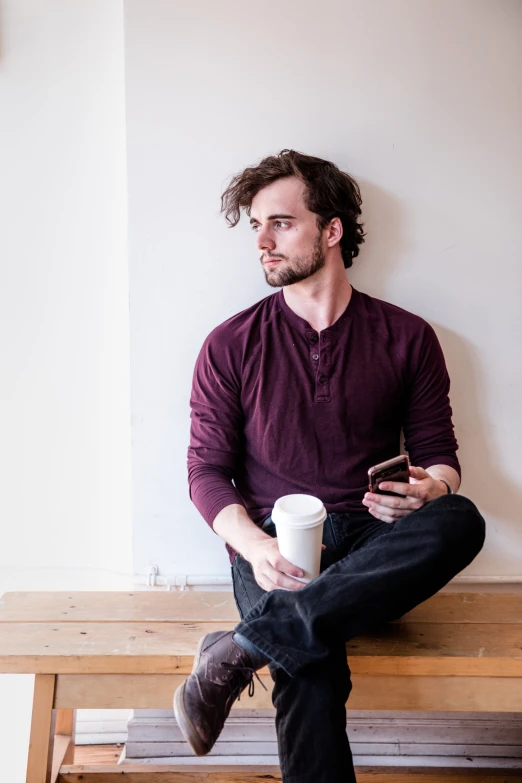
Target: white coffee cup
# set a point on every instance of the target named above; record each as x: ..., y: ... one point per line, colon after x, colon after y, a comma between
x: 299, y: 523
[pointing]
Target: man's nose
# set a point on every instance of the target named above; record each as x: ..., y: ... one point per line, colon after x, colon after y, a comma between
x: 264, y: 239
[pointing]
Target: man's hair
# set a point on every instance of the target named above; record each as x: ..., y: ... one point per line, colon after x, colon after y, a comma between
x: 329, y: 193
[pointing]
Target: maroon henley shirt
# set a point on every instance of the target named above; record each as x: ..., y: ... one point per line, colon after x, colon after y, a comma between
x: 279, y: 408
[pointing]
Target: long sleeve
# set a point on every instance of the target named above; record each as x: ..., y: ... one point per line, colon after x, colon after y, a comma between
x: 428, y: 428
x: 216, y: 429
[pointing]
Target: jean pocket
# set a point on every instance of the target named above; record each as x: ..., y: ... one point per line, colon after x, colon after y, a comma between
x: 269, y: 527
x: 328, y: 533
x: 241, y: 597
x: 339, y: 530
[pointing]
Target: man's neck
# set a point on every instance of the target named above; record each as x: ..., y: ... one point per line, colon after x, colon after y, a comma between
x: 319, y: 301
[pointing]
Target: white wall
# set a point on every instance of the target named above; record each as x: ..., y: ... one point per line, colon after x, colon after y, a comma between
x: 418, y: 100
x: 64, y: 376
x: 64, y: 305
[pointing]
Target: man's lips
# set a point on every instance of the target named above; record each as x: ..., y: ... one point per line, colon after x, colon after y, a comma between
x: 271, y: 261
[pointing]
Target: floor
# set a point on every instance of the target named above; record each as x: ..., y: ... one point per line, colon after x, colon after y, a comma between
x: 97, y: 754
x: 109, y: 754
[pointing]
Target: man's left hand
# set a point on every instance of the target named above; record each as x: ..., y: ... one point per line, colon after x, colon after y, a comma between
x: 421, y: 490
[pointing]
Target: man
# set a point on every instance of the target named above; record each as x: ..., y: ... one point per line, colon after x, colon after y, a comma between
x: 303, y: 392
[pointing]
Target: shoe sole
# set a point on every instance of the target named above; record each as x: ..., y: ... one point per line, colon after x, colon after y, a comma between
x: 185, y: 724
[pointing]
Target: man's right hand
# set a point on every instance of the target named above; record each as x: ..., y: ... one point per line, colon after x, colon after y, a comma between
x: 271, y: 569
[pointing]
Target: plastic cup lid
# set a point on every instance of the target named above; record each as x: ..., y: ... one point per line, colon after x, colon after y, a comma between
x: 298, y: 511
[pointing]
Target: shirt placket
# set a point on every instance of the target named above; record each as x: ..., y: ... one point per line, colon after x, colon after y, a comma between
x: 320, y: 353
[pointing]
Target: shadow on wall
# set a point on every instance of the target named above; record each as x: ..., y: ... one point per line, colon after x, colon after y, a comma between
x: 383, y: 219
x: 1, y: 40
x: 490, y: 489
x: 497, y: 497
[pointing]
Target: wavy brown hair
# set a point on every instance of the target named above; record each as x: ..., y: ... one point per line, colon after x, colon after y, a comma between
x: 329, y: 193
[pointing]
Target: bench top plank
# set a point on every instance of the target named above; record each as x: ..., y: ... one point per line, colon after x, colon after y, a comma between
x: 465, y: 649
x: 461, y: 634
x: 219, y: 606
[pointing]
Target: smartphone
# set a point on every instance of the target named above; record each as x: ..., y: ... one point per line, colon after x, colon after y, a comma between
x: 396, y: 469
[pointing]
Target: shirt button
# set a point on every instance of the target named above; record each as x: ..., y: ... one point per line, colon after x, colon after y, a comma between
x: 315, y: 356
x: 323, y: 379
x: 313, y: 338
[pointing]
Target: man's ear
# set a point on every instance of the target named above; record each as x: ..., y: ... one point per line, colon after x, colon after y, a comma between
x: 334, y: 231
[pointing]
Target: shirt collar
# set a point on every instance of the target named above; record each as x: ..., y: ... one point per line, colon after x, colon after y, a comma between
x: 304, y: 326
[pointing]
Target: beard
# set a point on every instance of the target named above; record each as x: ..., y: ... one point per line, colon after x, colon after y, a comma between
x: 301, y: 267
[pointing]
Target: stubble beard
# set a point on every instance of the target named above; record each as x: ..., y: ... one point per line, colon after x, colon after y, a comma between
x: 302, y: 267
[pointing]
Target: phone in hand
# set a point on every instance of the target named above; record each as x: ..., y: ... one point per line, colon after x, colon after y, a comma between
x: 396, y: 469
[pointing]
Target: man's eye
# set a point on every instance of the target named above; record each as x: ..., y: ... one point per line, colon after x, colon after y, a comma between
x: 277, y: 223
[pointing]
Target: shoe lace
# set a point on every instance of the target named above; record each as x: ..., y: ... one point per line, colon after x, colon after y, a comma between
x: 251, y: 671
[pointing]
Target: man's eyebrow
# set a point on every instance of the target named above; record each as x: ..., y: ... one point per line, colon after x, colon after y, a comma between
x: 274, y: 217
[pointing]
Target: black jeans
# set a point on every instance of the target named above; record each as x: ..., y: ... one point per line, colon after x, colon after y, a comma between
x: 371, y: 572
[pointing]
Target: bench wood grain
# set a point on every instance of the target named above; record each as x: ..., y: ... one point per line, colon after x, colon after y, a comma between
x: 96, y: 650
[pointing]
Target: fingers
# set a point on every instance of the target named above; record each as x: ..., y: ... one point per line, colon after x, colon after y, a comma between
x: 278, y: 572
x: 272, y: 570
x: 400, y: 487
x: 281, y: 574
x: 271, y: 579
x: 274, y: 578
x: 388, y: 508
x: 280, y: 563
x: 384, y: 516
x: 389, y: 514
x: 266, y: 583
x: 418, y: 473
x: 409, y: 502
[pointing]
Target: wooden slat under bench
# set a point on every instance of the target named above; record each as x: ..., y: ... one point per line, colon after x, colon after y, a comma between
x: 265, y: 774
x: 370, y: 692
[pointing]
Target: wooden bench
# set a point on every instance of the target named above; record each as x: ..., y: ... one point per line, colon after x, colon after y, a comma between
x: 99, y: 650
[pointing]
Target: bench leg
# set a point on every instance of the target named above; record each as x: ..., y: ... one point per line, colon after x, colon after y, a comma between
x: 65, y: 735
x: 41, y: 742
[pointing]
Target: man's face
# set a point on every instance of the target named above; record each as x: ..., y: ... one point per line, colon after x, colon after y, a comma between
x: 288, y: 238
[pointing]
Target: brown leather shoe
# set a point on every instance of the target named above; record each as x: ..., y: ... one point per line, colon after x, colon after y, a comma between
x: 221, y: 671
